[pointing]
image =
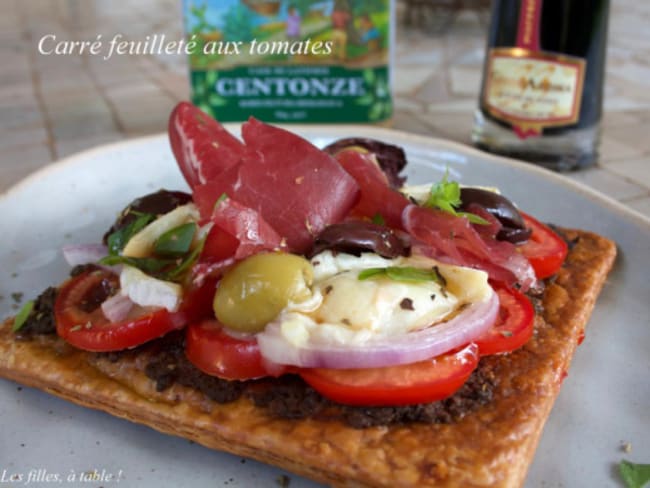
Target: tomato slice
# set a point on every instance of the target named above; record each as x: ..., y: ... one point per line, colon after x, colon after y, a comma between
x: 216, y: 353
x: 513, y: 327
x: 424, y: 381
x: 545, y: 250
x: 81, y: 322
x: 197, y: 301
x: 219, y: 244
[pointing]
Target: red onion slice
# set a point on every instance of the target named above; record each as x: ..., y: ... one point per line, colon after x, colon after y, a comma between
x: 76, y: 254
x: 117, y: 307
x: 386, y: 350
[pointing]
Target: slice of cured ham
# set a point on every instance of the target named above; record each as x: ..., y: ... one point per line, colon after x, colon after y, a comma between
x: 237, y: 232
x: 377, y: 198
x: 202, y: 146
x: 454, y: 240
x: 297, y: 188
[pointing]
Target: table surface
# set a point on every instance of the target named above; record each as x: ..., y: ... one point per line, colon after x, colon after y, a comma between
x: 53, y: 106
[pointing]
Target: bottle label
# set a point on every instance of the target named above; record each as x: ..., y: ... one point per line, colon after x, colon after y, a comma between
x: 291, y: 61
x: 532, y: 90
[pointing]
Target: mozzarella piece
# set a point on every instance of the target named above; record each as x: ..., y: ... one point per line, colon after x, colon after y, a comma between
x: 346, y: 310
x: 142, y: 244
x: 150, y: 292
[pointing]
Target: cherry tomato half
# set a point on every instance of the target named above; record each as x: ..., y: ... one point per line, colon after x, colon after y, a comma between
x: 81, y: 322
x: 545, y: 250
x: 514, y: 325
x: 424, y: 381
x: 216, y: 353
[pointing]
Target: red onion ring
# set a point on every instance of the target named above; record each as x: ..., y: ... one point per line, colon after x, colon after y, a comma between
x: 76, y: 254
x: 382, y: 351
x: 117, y: 307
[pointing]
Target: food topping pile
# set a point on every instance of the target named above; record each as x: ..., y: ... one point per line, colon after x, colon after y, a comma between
x: 290, y: 261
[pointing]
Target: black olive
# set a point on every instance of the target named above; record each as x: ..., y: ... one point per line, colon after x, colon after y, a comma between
x: 355, y: 237
x: 391, y: 159
x: 514, y: 228
x: 516, y: 236
x: 157, y: 203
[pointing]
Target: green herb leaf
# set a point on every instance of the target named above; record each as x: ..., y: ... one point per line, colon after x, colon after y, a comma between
x: 175, y: 242
x: 151, y: 266
x: 412, y: 274
x: 187, y: 263
x: 634, y: 475
x: 221, y: 198
x: 22, y: 315
x: 118, y: 239
x: 445, y: 196
x: 473, y: 218
x: 371, y: 273
x: 405, y: 273
x: 378, y: 219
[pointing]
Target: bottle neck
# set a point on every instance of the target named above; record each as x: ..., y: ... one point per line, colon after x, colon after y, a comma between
x: 530, y: 17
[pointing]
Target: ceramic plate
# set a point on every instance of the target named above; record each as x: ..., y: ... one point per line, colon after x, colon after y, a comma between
x: 604, y: 402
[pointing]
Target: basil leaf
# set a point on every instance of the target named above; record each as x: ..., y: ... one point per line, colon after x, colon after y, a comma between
x: 175, y: 242
x: 187, y: 263
x: 22, y: 315
x: 473, y: 218
x: 445, y: 196
x: 405, y: 273
x: 378, y: 219
x: 151, y: 266
x: 634, y: 475
x: 118, y: 239
x: 371, y: 273
x: 409, y: 273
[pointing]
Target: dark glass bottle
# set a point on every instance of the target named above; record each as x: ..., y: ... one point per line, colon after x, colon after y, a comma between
x: 541, y: 97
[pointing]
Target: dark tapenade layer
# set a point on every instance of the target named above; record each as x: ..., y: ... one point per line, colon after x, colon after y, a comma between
x: 41, y: 318
x: 290, y: 397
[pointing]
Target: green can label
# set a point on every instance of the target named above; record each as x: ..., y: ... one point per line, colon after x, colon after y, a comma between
x: 304, y: 61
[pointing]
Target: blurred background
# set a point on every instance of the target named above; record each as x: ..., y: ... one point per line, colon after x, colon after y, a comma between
x: 54, y: 106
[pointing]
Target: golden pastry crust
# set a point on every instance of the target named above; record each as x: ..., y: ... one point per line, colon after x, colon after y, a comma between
x: 492, y: 446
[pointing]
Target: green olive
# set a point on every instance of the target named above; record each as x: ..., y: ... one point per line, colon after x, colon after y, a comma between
x: 255, y: 290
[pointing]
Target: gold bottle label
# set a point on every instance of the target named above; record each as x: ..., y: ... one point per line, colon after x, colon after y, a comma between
x: 532, y: 90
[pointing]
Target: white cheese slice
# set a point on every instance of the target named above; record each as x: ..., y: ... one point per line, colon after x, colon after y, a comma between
x: 149, y: 292
x: 351, y: 311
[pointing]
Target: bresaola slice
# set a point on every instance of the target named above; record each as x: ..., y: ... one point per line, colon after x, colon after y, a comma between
x: 201, y: 145
x: 297, y: 188
x: 237, y: 232
x: 253, y: 233
x: 447, y: 238
x: 377, y: 198
x: 455, y: 241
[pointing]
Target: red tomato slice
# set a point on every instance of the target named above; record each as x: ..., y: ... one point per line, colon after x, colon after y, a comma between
x: 81, y: 322
x: 545, y: 250
x: 513, y: 327
x: 424, y: 381
x: 219, y: 244
x: 197, y: 301
x: 216, y: 353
